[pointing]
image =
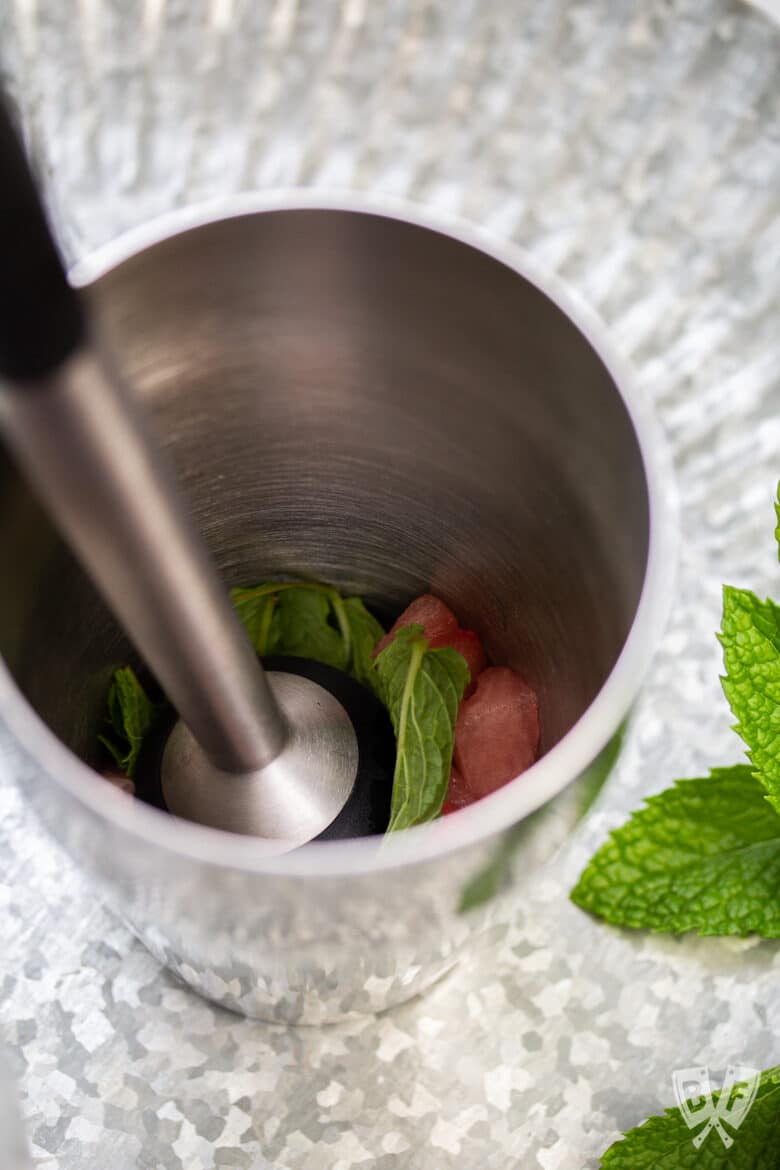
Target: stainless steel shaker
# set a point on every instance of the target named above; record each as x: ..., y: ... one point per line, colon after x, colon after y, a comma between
x: 363, y: 395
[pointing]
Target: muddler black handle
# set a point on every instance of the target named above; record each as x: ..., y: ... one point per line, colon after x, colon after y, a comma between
x: 41, y: 317
x: 82, y: 439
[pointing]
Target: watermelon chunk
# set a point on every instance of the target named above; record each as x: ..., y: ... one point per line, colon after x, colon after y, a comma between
x: 441, y: 629
x: 467, y: 643
x: 497, y: 732
x: 458, y: 795
x: 436, y: 618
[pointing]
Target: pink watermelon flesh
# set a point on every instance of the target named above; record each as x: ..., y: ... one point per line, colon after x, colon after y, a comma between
x: 458, y: 795
x: 437, y: 619
x: 441, y: 629
x: 467, y: 643
x: 497, y: 731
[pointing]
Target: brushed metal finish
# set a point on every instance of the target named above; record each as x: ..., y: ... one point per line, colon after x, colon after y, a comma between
x: 375, y: 401
x: 290, y: 800
x: 86, y: 447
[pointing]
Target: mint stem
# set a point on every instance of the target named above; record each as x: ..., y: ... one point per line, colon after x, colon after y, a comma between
x: 265, y: 626
x: 341, y: 617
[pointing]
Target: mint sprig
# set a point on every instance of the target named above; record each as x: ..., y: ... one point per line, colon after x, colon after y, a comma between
x: 305, y: 619
x: 365, y: 632
x: 422, y: 690
x: 751, y: 653
x: 130, y: 715
x: 702, y: 856
x: 255, y: 608
x: 705, y: 854
x: 665, y: 1142
x: 301, y: 627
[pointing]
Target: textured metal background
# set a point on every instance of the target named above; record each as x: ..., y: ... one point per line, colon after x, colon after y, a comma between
x: 635, y: 149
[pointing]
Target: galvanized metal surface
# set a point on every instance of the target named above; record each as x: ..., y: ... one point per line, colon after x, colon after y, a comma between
x: 635, y: 150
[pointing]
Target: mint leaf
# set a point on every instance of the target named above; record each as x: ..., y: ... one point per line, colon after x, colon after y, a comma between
x: 302, y: 619
x: 309, y: 620
x: 302, y: 628
x: 703, y: 855
x: 666, y: 1143
x: 751, y: 652
x: 365, y: 632
x: 131, y: 715
x: 422, y: 689
x: 342, y: 622
x: 255, y: 607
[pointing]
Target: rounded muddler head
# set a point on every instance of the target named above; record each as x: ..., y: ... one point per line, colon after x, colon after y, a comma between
x: 333, y: 778
x: 295, y: 796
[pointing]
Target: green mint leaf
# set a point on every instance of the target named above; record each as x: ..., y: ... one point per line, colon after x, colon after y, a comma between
x: 365, y: 632
x: 310, y: 620
x: 255, y: 607
x: 302, y: 627
x: 751, y: 652
x: 342, y: 622
x: 302, y: 619
x: 703, y: 855
x: 665, y: 1142
x: 131, y: 715
x: 422, y: 689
